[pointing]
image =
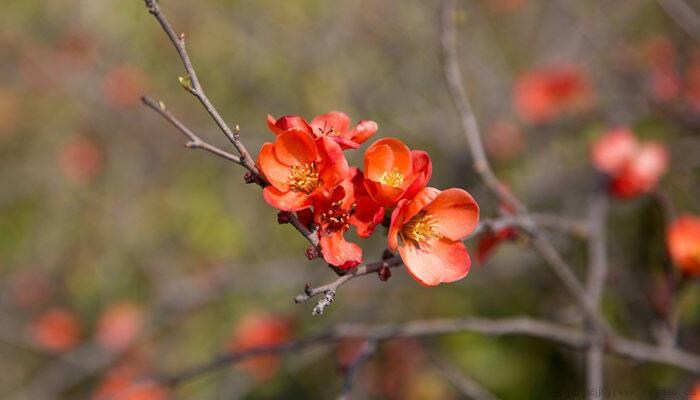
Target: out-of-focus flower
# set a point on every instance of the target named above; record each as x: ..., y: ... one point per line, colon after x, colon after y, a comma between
x: 504, y: 5
x: 333, y: 219
x: 428, y: 231
x: 260, y: 330
x: 544, y: 94
x: 634, y: 167
x: 301, y: 170
x: 80, y: 160
x: 126, y: 382
x: 394, y: 172
x: 119, y: 325
x: 123, y: 85
x: 75, y: 47
x: 695, y: 392
x: 31, y: 289
x: 504, y: 141
x: 490, y: 241
x: 9, y: 111
x: 665, y: 84
x: 56, y: 329
x: 683, y: 240
x: 692, y: 83
x: 335, y: 125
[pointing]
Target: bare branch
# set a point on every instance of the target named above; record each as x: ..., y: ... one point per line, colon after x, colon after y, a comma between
x: 598, y: 269
x: 194, y: 86
x: 195, y: 142
x: 465, y: 384
x: 330, y: 289
x: 683, y: 15
x: 369, y: 347
x: 453, y: 79
x: 564, y: 335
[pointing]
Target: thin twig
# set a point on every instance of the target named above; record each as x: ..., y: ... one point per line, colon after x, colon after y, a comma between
x: 465, y: 384
x: 195, y: 142
x: 453, y: 79
x: 355, y: 272
x: 368, y: 348
x: 598, y: 269
x: 683, y: 15
x: 192, y: 84
x: 564, y: 335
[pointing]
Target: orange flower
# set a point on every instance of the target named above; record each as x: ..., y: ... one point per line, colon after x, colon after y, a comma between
x: 394, y: 172
x: 123, y: 85
x: 260, y: 330
x: 334, y: 125
x: 544, y: 94
x: 695, y: 392
x: 431, y: 227
x: 683, y: 240
x: 368, y: 214
x: 634, y: 167
x: 301, y: 169
x: 57, y: 330
x: 80, y: 160
x: 126, y: 382
x: 119, y: 325
x: 333, y: 219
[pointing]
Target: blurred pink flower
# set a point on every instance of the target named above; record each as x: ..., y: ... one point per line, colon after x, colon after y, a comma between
x: 544, y: 94
x: 80, y: 160
x: 126, y: 382
x: 124, y: 85
x: 119, y: 325
x: 260, y: 330
x: 56, y: 329
x: 634, y: 167
x: 504, y: 141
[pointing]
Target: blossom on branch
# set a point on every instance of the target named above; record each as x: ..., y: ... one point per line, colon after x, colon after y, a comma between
x: 334, y: 125
x: 301, y: 169
x: 683, y: 239
x: 428, y: 231
x: 394, y: 172
x: 634, y: 167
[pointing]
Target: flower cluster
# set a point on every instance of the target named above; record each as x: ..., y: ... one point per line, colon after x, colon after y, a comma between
x: 634, y: 167
x: 308, y: 174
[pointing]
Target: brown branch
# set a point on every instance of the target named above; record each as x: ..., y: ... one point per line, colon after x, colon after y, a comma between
x: 465, y: 384
x: 192, y: 84
x: 329, y: 290
x: 683, y: 15
x: 598, y: 269
x: 195, y: 142
x: 369, y: 347
x: 453, y: 79
x: 564, y: 335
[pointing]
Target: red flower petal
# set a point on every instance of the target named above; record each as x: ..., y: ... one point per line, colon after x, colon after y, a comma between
x: 335, y: 121
x: 295, y: 146
x: 275, y: 172
x: 367, y: 216
x: 456, y: 212
x: 286, y: 201
x: 437, y: 261
x: 339, y: 252
x: 363, y: 131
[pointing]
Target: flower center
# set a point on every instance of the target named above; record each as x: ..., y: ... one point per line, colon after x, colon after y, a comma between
x: 336, y: 218
x: 420, y: 228
x: 303, y: 178
x: 392, y: 178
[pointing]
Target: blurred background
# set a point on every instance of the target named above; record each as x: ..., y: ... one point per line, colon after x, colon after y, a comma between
x: 122, y: 253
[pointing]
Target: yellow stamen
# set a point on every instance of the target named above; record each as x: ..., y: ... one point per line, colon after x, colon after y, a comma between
x: 420, y: 228
x: 393, y: 178
x: 303, y: 178
x: 336, y: 218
